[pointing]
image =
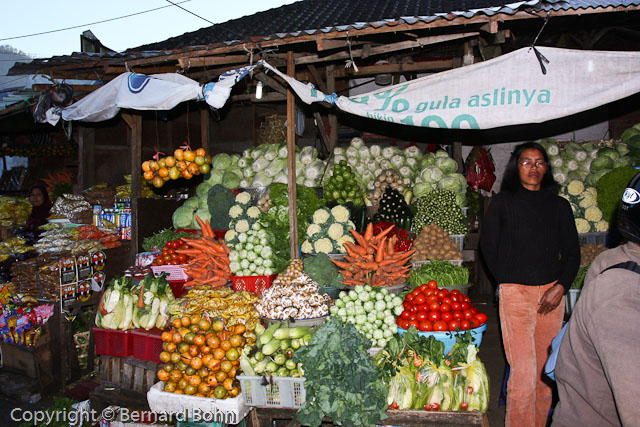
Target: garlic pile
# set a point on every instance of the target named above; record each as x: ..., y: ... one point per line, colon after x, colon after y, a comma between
x: 388, y: 178
x: 293, y: 295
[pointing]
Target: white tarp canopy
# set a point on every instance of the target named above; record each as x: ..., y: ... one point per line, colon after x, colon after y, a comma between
x: 508, y: 90
x: 505, y: 91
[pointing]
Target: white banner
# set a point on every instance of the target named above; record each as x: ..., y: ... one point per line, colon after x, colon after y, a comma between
x: 505, y: 91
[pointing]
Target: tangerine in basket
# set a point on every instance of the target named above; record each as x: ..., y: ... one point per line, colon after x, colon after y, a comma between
x: 227, y: 384
x: 232, y: 354
x: 226, y: 366
x: 199, y: 340
x: 176, y: 323
x: 166, y: 336
x: 235, y: 341
x: 219, y: 354
x: 195, y: 380
x: 221, y: 376
x: 220, y: 392
x: 213, y: 341
x: 170, y: 387
x: 190, y: 390
x: 163, y: 375
x: 196, y: 363
x: 218, y: 326
x: 225, y: 345
x: 164, y: 356
x: 203, y: 389
x: 211, y: 380
x: 205, y: 349
x: 204, y: 324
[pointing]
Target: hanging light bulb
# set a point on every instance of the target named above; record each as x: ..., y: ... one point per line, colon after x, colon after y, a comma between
x: 259, y: 90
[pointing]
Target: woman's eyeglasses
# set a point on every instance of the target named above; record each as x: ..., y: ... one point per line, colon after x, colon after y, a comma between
x: 529, y: 164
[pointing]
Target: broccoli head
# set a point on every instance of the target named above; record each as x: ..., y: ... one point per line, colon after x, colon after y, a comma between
x: 219, y: 201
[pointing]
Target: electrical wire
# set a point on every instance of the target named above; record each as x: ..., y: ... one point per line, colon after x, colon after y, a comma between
x: 92, y: 23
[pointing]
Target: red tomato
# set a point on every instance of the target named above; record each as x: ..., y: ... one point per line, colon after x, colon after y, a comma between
x: 413, y: 309
x: 167, y: 258
x: 413, y: 316
x: 419, y: 299
x: 453, y: 325
x: 455, y: 298
x: 433, y: 316
x: 422, y: 315
x: 434, y: 306
x: 443, y: 293
x: 414, y: 323
x: 430, y: 292
x: 179, y: 243
x: 174, y: 256
x: 406, y: 305
x: 455, y: 306
x: 423, y: 288
x: 481, y: 317
x: 425, y: 325
x: 423, y: 307
x: 464, y: 405
x: 445, y: 307
x: 416, y: 292
x: 433, y: 284
x: 409, y: 297
x: 182, y: 258
x: 440, y: 325
x: 404, y: 324
x: 465, y: 298
x: 432, y: 298
x: 455, y: 292
x: 465, y: 324
x: 473, y: 308
x: 405, y: 315
x: 174, y: 262
x: 464, y: 305
x: 458, y: 315
x: 447, y: 300
x: 447, y: 316
x: 467, y: 314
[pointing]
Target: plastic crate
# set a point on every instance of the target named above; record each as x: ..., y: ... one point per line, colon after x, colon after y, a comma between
x: 177, y: 287
x: 228, y: 411
x: 459, y: 239
x: 449, y: 337
x: 113, y: 342
x: 595, y: 238
x: 173, y: 272
x: 147, y: 345
x: 254, y: 284
x: 281, y: 392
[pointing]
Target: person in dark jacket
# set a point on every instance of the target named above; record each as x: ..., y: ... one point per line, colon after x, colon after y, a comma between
x: 41, y: 205
x: 530, y: 245
x: 597, y: 367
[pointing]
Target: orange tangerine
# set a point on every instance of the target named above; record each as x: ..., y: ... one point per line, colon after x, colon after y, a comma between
x: 165, y: 356
x: 145, y: 166
x: 194, y: 350
x: 166, y: 336
x: 176, y: 323
x: 189, y: 156
x: 181, y: 165
x: 228, y: 384
x: 221, y: 376
x: 225, y: 345
x: 169, y: 387
x: 193, y: 169
x: 186, y: 174
x: 177, y: 337
x: 203, y: 389
x: 199, y: 340
x: 148, y: 175
x: 204, y: 168
x: 206, y: 358
x: 170, y: 161
x: 157, y: 181
x: 201, y: 152
x: 226, y: 366
x: 171, y: 347
x: 213, y: 341
x: 235, y: 340
x: 179, y: 391
x: 153, y: 165
x: 166, y: 178
x: 239, y: 329
x: 195, y: 381
x: 174, y: 173
x: 163, y: 375
x: 220, y: 392
x: 178, y: 154
x: 175, y: 375
x: 218, y: 353
x: 162, y: 163
x: 196, y: 363
x: 163, y: 172
x: 185, y: 321
x: 211, y: 380
x: 213, y: 365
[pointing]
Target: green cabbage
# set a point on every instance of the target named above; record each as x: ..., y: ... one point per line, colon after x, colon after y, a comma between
x: 441, y: 154
x: 203, y: 214
x: 431, y: 174
x: 215, y: 176
x: 450, y: 183
x: 202, y: 191
x: 221, y: 161
x: 231, y: 179
x: 182, y: 217
x: 602, y: 162
x: 446, y: 164
x: 608, y: 152
x: 192, y: 203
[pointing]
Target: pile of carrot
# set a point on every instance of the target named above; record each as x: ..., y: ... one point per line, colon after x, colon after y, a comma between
x: 209, y: 259
x: 373, y: 260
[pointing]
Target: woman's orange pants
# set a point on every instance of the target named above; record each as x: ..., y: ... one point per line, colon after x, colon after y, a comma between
x: 527, y: 337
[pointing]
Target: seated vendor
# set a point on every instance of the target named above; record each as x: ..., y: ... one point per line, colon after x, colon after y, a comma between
x: 41, y: 205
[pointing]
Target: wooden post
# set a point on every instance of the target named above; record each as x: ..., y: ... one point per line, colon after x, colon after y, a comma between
x: 333, y: 119
x: 457, y: 155
x: 134, y: 120
x: 204, y: 128
x: 291, y: 159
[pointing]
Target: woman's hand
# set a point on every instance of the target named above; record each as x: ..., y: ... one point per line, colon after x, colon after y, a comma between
x: 551, y: 299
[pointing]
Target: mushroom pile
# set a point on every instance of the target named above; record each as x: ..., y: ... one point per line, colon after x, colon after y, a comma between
x: 293, y: 295
x: 387, y: 178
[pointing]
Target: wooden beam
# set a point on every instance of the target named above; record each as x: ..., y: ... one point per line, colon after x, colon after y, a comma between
x: 134, y: 121
x: 328, y: 44
x: 346, y: 73
x: 379, y: 50
x: 323, y: 130
x: 291, y: 159
x: 212, y: 60
x: 269, y: 97
x: 317, y: 78
x: 76, y: 88
x: 490, y: 27
x: 333, y: 119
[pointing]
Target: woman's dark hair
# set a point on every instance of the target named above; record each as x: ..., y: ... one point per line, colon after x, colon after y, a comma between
x: 43, y: 189
x: 511, y: 178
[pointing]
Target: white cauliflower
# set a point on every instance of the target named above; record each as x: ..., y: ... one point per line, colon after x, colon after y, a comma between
x: 587, y: 200
x: 343, y: 240
x: 323, y: 245
x: 582, y: 225
x: 340, y: 213
x: 592, y: 191
x: 235, y: 211
x: 313, y: 229
x: 230, y: 236
x: 336, y: 231
x: 601, y: 226
x: 306, y: 247
x: 320, y: 216
x: 243, y: 198
x: 253, y: 212
x: 575, y: 187
x: 593, y: 214
x: 242, y: 226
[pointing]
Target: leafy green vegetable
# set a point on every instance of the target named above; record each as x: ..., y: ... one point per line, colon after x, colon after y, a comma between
x: 342, y: 382
x: 159, y: 239
x: 323, y: 271
x: 307, y: 198
x: 610, y: 188
x: 219, y: 201
x: 578, y: 282
x: 442, y: 272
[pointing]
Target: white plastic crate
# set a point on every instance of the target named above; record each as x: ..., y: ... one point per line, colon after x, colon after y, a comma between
x: 459, y: 239
x: 282, y: 392
x: 595, y: 238
x: 229, y: 411
x: 456, y: 262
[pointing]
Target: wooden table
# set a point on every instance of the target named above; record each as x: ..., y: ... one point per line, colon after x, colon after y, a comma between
x: 269, y: 417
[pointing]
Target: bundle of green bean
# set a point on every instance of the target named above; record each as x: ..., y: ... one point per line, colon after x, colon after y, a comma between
x: 444, y: 273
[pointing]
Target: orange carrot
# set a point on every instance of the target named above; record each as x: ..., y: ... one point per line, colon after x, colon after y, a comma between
x: 380, y: 250
x: 354, y: 250
x: 209, y: 229
x: 203, y: 227
x: 341, y: 264
x: 358, y: 238
x: 368, y: 234
x: 385, y: 232
x: 140, y: 299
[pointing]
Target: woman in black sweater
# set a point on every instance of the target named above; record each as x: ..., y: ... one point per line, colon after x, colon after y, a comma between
x: 530, y: 245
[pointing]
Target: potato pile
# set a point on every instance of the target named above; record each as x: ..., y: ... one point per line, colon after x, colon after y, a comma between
x: 589, y: 252
x: 434, y: 242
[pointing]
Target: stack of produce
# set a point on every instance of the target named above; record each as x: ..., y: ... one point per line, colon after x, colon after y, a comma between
x: 434, y: 243
x: 251, y: 252
x: 388, y: 178
x: 13, y: 245
x: 439, y: 207
x: 371, y: 310
x: 342, y: 186
x: 420, y: 378
x: 585, y: 162
x: 328, y: 231
x: 209, y: 259
x: 631, y: 137
x: 293, y: 295
x: 184, y: 163
x: 201, y: 357
x: 584, y: 204
x: 233, y: 308
x: 589, y: 252
x: 428, y: 308
x: 610, y: 188
x: 211, y: 203
x: 441, y: 271
x: 273, y: 353
x: 165, y: 240
x: 369, y: 162
x: 56, y: 241
x: 124, y: 191
x: 127, y: 306
x: 323, y: 271
x: 438, y: 172
x: 14, y: 211
x: 394, y: 208
x: 373, y: 260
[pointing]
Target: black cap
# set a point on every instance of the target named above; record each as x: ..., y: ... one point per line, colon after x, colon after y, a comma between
x: 629, y: 211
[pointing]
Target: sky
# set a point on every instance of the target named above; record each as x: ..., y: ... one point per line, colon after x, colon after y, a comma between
x: 20, y: 18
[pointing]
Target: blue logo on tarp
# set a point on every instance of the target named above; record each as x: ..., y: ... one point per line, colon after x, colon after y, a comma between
x: 137, y: 82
